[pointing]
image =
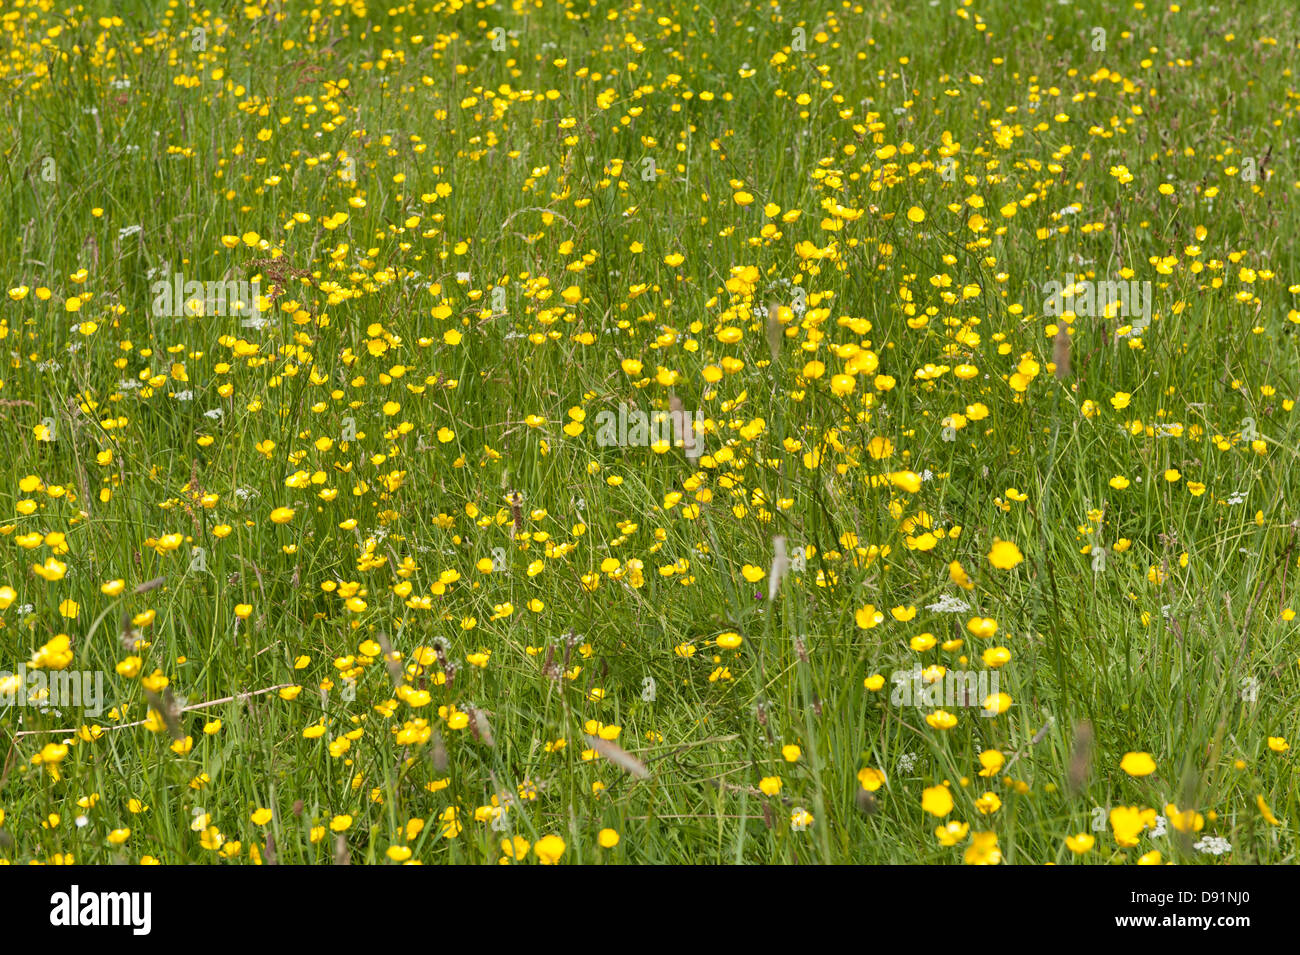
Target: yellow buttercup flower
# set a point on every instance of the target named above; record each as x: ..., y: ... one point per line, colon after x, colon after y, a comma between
x: 549, y: 849
x: 937, y: 800
x: 1005, y: 555
x: 1138, y: 764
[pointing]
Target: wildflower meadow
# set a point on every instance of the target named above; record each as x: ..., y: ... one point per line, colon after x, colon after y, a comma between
x: 661, y: 432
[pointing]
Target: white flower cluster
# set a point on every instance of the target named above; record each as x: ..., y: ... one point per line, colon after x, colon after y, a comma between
x: 1213, y: 845
x: 947, y: 603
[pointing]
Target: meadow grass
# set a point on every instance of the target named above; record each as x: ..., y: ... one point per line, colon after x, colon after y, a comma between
x: 361, y: 582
